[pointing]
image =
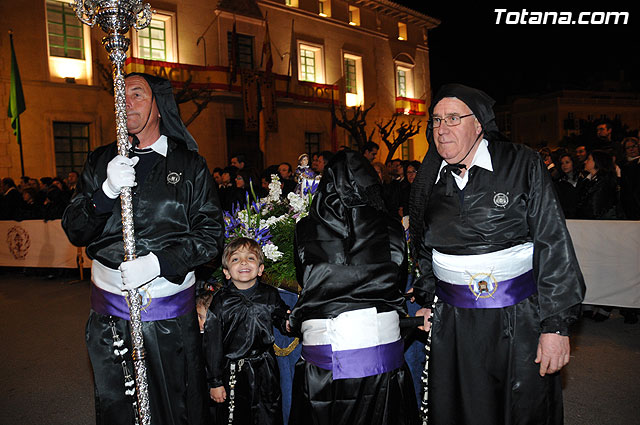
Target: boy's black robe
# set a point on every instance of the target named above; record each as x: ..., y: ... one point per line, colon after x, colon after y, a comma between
x: 239, y: 326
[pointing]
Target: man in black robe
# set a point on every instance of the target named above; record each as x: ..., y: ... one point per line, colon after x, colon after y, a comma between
x: 178, y: 226
x: 491, y: 243
x: 350, y: 259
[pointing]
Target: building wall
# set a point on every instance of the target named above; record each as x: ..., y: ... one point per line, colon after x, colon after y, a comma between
x: 541, y: 119
x: 49, y: 98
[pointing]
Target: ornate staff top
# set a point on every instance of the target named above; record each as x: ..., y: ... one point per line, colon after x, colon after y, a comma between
x: 114, y: 16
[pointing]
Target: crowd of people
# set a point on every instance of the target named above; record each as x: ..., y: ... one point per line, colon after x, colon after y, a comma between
x: 396, y: 175
x: 596, y: 183
x: 33, y: 199
x: 601, y: 183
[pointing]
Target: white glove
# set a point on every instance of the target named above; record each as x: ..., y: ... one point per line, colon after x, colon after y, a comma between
x: 136, y: 273
x: 120, y: 173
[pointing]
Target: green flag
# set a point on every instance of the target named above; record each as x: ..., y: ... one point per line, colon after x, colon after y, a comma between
x: 16, y: 99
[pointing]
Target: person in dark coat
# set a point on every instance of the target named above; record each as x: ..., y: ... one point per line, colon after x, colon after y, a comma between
x: 630, y: 179
x: 10, y: 201
x: 597, y: 193
x: 491, y: 243
x: 351, y: 263
x: 566, y: 186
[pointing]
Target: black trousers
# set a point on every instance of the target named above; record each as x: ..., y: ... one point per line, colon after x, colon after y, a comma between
x: 175, y: 371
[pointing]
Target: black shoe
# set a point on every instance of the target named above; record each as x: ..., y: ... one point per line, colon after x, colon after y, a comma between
x: 587, y: 314
x: 599, y: 317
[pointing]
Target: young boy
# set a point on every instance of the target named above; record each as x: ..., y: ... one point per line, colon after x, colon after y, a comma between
x: 238, y: 340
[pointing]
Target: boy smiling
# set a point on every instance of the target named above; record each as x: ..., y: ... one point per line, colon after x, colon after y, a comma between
x: 238, y: 339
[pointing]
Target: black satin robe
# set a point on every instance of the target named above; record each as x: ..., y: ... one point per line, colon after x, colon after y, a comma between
x: 241, y: 327
x: 482, y: 368
x: 182, y: 224
x: 350, y: 254
x: 175, y: 371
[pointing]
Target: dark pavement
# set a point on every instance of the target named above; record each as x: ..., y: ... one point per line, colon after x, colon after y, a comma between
x: 46, y: 376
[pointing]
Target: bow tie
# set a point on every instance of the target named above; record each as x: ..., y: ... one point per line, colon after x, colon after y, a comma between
x: 447, y: 176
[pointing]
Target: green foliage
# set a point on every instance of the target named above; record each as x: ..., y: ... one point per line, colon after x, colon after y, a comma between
x: 284, y: 269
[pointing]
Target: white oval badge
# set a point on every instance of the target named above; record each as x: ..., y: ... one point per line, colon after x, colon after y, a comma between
x: 173, y: 177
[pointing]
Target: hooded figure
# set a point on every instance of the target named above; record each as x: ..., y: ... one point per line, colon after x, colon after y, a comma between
x: 178, y: 226
x: 351, y: 263
x: 491, y: 242
x: 171, y: 124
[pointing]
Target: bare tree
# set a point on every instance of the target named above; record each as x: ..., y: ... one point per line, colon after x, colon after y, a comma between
x: 200, y: 98
x: 356, y: 125
x: 405, y: 132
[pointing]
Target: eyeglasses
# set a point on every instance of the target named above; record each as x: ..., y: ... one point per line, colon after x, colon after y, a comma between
x: 449, y: 120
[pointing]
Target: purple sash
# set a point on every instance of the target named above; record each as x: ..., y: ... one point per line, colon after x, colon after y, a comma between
x: 356, y: 363
x: 107, y: 303
x: 502, y: 294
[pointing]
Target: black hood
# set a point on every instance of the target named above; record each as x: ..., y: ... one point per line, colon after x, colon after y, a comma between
x: 349, y: 181
x: 480, y: 103
x: 171, y: 124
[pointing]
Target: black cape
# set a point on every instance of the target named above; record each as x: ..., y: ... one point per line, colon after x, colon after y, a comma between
x: 350, y: 254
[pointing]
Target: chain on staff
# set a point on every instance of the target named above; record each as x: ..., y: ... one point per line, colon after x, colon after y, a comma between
x: 424, y: 403
x: 116, y: 17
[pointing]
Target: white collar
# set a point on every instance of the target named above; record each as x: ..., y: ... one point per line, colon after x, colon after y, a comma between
x: 482, y: 159
x: 159, y: 146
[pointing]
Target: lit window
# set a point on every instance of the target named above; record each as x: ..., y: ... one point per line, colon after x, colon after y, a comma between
x: 354, y: 16
x: 157, y: 41
x: 311, y: 63
x: 350, y: 75
x: 69, y: 45
x: 402, y: 31
x: 245, y: 50
x: 324, y: 8
x: 308, y: 64
x: 71, y: 141
x: 353, y: 80
x: 402, y: 83
x: 64, y: 30
x: 404, y: 80
x: 292, y: 3
x: 152, y: 41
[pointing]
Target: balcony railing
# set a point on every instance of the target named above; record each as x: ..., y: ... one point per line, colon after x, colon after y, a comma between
x: 218, y: 78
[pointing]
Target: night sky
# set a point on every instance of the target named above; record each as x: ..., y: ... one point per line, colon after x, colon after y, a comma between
x: 470, y: 48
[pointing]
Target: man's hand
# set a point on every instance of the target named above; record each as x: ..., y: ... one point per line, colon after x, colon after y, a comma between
x: 120, y: 173
x: 426, y: 312
x: 136, y: 273
x: 553, y: 353
x: 218, y: 394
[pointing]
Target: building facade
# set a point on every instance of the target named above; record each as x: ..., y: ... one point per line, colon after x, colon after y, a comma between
x: 544, y: 120
x: 237, y: 97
